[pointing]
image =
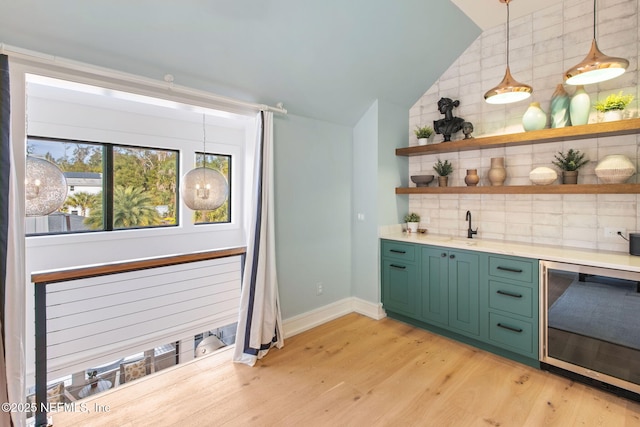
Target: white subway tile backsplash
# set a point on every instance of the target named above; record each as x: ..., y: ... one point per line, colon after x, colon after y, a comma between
x: 543, y: 45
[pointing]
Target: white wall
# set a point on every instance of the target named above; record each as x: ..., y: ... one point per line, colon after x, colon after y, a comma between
x: 543, y: 45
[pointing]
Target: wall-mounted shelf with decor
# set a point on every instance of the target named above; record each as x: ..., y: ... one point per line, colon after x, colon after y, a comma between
x: 528, y: 189
x: 622, y: 127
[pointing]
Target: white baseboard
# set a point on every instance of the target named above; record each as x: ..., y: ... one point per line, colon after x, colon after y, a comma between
x: 305, y: 321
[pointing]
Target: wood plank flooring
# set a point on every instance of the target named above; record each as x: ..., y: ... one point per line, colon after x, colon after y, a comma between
x: 355, y: 371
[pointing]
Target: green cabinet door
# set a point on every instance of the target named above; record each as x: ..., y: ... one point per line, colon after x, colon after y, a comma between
x: 399, y: 286
x: 434, y: 285
x: 449, y: 283
x: 464, y: 291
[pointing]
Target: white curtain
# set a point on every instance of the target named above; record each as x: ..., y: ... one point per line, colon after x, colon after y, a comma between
x: 13, y: 268
x: 260, y: 321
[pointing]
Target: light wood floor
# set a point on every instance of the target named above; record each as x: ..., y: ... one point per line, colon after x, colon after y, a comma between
x: 355, y: 371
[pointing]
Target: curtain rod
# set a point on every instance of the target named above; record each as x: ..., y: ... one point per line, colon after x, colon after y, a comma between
x: 166, y: 84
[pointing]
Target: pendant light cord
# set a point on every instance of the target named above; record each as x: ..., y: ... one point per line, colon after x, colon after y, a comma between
x: 507, y: 2
x: 594, y: 19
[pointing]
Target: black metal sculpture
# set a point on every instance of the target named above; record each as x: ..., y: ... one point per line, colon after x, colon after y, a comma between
x: 450, y: 124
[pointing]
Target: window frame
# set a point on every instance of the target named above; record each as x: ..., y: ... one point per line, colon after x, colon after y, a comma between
x: 108, y: 175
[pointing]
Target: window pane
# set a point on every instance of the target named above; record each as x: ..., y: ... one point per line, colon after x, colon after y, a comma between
x: 81, y: 164
x: 144, y: 187
x: 222, y: 164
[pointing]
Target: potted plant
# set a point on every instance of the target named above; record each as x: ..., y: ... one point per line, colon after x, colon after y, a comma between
x: 569, y: 164
x: 613, y: 105
x: 423, y: 134
x: 412, y: 219
x: 443, y: 169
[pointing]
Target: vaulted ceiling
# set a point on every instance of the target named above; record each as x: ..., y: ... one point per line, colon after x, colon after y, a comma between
x: 327, y: 59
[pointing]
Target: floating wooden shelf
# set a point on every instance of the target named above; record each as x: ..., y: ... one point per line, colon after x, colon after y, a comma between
x: 528, y: 189
x: 622, y: 127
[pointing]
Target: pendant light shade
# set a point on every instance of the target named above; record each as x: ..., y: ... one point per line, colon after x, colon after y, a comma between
x: 509, y: 90
x: 596, y: 66
x: 203, y: 188
x: 45, y: 187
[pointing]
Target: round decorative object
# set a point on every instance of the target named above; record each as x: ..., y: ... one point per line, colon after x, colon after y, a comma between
x: 204, y: 189
x: 615, y: 169
x: 560, y: 108
x: 534, y: 118
x: 472, y: 179
x: 543, y: 176
x: 579, y: 107
x: 421, y: 180
x: 45, y: 187
x: 497, y: 173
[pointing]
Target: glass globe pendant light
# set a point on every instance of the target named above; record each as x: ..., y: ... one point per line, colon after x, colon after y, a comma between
x: 509, y: 90
x: 596, y: 66
x: 203, y: 188
x: 45, y: 187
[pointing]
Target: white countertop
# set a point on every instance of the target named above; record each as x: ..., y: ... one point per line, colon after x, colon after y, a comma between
x: 615, y: 260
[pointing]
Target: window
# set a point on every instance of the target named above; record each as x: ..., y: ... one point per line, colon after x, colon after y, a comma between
x: 221, y: 163
x: 114, y: 186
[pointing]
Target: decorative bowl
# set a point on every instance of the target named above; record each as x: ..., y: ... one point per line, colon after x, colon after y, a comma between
x: 543, y: 175
x: 421, y: 180
x: 615, y: 169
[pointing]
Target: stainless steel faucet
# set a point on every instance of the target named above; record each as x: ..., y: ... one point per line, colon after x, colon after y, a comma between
x: 470, y: 232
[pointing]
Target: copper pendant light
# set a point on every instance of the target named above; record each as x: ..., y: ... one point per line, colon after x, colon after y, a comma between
x: 596, y: 66
x: 509, y: 90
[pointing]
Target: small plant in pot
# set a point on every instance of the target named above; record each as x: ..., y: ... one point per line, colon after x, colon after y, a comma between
x: 413, y: 220
x: 423, y: 134
x: 443, y: 169
x: 613, y: 105
x: 569, y: 164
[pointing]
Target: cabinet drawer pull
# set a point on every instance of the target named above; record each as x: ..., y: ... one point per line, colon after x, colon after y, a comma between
x: 396, y: 251
x: 402, y: 267
x: 509, y: 294
x: 452, y: 256
x: 509, y: 328
x: 444, y: 254
x: 512, y: 270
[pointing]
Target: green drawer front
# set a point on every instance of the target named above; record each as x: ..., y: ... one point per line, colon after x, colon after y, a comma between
x: 511, y: 334
x: 512, y: 268
x: 396, y: 250
x: 511, y: 298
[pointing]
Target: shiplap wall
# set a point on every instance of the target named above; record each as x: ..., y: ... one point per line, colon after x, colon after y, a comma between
x: 96, y: 320
x: 543, y: 45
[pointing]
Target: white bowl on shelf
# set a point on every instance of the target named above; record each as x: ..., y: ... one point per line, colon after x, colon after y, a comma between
x: 543, y: 176
x: 615, y: 169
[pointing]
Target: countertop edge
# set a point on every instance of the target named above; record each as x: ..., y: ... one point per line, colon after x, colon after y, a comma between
x: 603, y: 259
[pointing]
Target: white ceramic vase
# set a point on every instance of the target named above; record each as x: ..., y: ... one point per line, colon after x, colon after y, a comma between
x: 615, y: 169
x: 423, y: 141
x: 412, y: 227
